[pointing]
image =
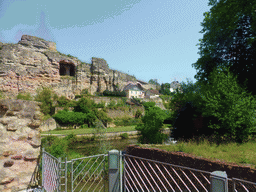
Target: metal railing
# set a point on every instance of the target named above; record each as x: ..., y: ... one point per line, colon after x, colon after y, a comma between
x: 148, y: 175
x: 139, y: 174
x: 242, y: 185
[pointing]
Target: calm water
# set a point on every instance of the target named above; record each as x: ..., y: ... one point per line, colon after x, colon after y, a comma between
x: 92, y: 148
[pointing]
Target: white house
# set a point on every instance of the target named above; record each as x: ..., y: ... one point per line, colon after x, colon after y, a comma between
x: 134, y: 90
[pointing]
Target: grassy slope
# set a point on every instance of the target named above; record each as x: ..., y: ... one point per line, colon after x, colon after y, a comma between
x: 244, y: 154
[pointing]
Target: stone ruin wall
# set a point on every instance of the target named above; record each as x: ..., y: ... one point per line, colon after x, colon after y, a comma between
x: 20, y: 143
x: 34, y: 62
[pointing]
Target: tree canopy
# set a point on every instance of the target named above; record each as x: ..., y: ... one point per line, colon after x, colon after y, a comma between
x: 229, y: 30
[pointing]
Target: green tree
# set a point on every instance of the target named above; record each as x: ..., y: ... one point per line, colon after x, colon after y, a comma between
x: 148, y: 105
x: 165, y: 89
x: 231, y: 105
x: 153, y: 81
x: 84, y: 105
x: 150, y: 129
x: 229, y: 41
x: 46, y: 97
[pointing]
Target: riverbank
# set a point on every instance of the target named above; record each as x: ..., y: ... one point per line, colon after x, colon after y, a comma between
x: 109, y: 135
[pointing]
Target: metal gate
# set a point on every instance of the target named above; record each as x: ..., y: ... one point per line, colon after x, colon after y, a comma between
x: 88, y: 173
x: 93, y: 173
x: 81, y: 174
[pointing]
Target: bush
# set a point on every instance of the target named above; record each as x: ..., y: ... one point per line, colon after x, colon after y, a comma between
x: 46, y: 97
x: 73, y: 118
x: 101, y: 115
x: 227, y: 110
x: 112, y: 104
x: 62, y: 101
x: 102, y: 104
x: 138, y: 114
x: 84, y: 105
x: 55, y: 146
x: 148, y: 105
x: 24, y: 96
x: 150, y: 129
x: 84, y: 126
x: 231, y: 105
x: 114, y: 93
x: 126, y: 121
x: 124, y: 136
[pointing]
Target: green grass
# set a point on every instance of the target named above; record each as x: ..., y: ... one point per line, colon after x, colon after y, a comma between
x: 90, y: 130
x: 244, y: 154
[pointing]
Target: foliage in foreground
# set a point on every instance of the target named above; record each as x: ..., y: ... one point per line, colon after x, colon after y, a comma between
x: 47, y: 98
x: 150, y: 129
x: 227, y: 110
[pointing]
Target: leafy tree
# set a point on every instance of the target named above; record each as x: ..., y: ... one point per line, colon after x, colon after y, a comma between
x: 150, y: 129
x: 84, y: 105
x: 231, y: 105
x: 62, y: 101
x: 229, y: 41
x: 165, y: 89
x: 148, y: 105
x: 46, y: 97
x: 153, y: 81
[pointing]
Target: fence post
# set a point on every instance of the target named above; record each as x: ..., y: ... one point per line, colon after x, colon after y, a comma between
x: 114, y: 170
x: 66, y: 179
x: 219, y: 181
x: 43, y: 169
x: 59, y: 175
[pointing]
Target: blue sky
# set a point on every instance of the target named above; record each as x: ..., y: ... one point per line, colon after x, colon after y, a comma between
x: 151, y: 39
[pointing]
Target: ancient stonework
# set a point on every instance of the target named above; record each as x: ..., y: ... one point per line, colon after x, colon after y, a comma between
x: 34, y: 62
x: 19, y: 143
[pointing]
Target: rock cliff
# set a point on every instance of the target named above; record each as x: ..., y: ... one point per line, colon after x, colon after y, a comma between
x: 34, y: 62
x: 20, y: 143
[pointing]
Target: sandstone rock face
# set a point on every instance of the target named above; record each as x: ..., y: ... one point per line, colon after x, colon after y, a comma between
x: 19, y: 143
x: 34, y: 62
x: 49, y: 124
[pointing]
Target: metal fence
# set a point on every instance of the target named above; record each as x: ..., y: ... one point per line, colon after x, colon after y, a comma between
x: 142, y: 174
x: 139, y: 174
x: 147, y: 175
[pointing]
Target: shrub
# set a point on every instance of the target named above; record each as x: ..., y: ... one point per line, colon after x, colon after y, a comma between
x: 124, y: 136
x: 62, y: 101
x: 126, y: 121
x: 150, y: 129
x: 227, y: 110
x: 85, y: 92
x: 24, y: 96
x: 84, y: 105
x: 46, y: 97
x: 74, y: 118
x: 148, y: 105
x: 114, y: 93
x: 84, y: 126
x: 138, y: 114
x: 112, y: 104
